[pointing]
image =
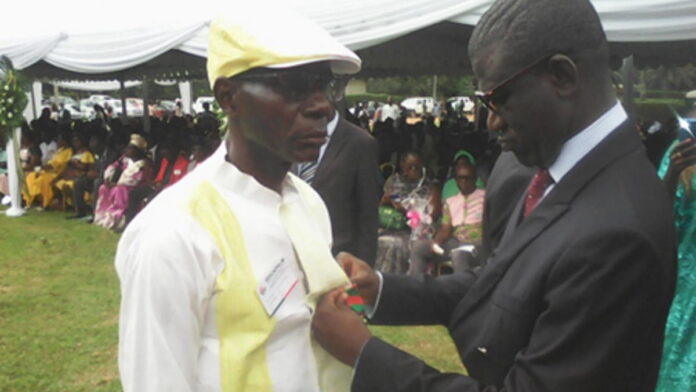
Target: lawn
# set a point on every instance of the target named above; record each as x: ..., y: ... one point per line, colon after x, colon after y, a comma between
x: 59, y: 298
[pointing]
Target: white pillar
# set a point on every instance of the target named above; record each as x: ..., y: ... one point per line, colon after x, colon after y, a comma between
x: 185, y: 93
x: 35, y: 101
x: 12, y: 171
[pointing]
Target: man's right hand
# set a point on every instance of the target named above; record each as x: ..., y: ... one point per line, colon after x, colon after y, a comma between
x: 361, y: 274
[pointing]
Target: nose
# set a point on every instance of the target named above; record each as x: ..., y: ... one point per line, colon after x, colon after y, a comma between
x: 495, y: 122
x: 317, y: 105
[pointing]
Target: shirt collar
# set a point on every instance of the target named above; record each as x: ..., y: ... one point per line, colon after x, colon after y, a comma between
x: 582, y: 143
x: 331, y: 126
x: 228, y: 177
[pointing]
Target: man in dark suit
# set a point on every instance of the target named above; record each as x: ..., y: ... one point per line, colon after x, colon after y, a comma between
x: 575, y: 296
x: 347, y: 178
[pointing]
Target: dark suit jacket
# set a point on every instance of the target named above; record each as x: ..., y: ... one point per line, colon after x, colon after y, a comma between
x: 349, y: 182
x: 506, y: 184
x: 574, y: 298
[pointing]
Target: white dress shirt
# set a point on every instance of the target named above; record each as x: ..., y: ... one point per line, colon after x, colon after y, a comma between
x: 168, y: 265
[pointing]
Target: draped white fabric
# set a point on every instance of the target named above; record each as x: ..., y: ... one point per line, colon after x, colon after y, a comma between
x: 133, y: 32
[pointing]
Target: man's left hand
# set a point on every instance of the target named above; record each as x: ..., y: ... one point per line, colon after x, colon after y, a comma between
x: 339, y: 329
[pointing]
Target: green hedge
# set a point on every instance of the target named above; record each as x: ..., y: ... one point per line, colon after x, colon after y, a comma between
x: 664, y: 94
x: 660, y: 108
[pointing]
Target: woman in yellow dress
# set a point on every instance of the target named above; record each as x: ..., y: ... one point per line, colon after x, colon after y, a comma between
x: 79, y: 164
x: 40, y: 183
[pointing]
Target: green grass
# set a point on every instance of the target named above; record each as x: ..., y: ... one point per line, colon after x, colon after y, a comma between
x: 59, y: 298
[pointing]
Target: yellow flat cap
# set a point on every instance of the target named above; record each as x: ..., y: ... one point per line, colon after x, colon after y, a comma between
x: 265, y: 34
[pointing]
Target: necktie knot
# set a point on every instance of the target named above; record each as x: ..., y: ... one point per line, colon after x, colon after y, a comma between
x: 541, y: 180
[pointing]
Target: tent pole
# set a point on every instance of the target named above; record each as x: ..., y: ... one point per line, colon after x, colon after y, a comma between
x: 124, y: 112
x: 435, y: 86
x: 33, y: 101
x: 628, y: 74
x: 146, y: 106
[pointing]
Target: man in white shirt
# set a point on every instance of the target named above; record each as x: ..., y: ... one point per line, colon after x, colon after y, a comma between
x: 576, y: 294
x: 221, y: 272
x: 389, y: 110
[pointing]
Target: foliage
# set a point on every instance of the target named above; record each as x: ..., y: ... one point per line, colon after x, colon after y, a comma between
x: 13, y: 100
x: 377, y: 97
x: 59, y: 302
x: 447, y: 86
x: 659, y: 108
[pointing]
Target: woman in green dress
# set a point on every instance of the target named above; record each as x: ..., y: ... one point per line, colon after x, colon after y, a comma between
x: 678, y: 370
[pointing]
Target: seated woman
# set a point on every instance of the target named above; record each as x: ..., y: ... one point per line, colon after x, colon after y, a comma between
x: 78, y: 166
x: 461, y: 226
x: 130, y: 170
x: 174, y: 166
x: 411, y: 198
x: 41, y: 182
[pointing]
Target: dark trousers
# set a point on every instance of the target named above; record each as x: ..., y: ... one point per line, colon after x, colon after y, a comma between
x: 136, y: 196
x: 84, y: 185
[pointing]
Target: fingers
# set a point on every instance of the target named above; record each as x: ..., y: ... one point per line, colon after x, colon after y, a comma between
x: 337, y: 298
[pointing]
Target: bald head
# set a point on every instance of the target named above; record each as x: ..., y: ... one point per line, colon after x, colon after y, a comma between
x: 519, y: 32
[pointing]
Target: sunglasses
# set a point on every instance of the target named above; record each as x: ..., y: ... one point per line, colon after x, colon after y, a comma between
x: 298, y: 85
x: 493, y: 97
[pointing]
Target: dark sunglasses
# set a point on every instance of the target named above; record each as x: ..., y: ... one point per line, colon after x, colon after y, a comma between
x: 297, y: 85
x: 492, y: 98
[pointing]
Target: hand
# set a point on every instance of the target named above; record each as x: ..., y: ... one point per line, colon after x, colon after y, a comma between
x: 360, y: 273
x: 683, y: 155
x: 338, y: 329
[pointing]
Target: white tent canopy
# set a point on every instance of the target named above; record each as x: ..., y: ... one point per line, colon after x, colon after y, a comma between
x: 79, y: 39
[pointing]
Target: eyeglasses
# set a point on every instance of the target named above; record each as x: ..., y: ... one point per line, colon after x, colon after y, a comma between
x: 297, y: 85
x: 492, y: 98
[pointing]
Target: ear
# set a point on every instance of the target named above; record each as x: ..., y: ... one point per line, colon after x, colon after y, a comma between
x: 225, y: 91
x: 564, y: 74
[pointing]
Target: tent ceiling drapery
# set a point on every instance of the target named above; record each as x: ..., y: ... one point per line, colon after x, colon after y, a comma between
x: 394, y: 37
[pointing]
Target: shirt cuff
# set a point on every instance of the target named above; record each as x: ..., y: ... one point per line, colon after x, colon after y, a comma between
x: 370, y: 310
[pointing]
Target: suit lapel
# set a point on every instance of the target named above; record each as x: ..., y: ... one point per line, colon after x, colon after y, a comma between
x: 620, y: 142
x: 336, y: 143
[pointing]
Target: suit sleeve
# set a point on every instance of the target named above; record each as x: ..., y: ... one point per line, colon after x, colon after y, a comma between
x: 422, y: 300
x: 604, y: 301
x: 369, y: 193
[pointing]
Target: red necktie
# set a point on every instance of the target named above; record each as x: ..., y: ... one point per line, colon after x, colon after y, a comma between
x: 542, y: 179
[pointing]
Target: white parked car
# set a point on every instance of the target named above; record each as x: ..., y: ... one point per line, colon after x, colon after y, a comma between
x: 100, y: 99
x: 198, y: 104
x: 87, y: 109
x: 419, y: 104
x: 134, y: 107
x: 463, y: 103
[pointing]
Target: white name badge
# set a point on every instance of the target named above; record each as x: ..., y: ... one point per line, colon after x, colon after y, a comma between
x: 277, y: 286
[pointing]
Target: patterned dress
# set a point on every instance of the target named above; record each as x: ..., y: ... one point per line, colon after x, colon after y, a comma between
x: 113, y: 200
x: 678, y: 371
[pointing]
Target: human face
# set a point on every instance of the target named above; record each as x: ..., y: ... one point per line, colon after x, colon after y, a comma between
x: 527, y: 119
x: 465, y: 177
x: 77, y: 143
x: 411, y: 168
x: 282, y: 123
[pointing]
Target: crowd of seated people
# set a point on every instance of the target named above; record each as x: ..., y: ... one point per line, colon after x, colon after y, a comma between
x: 423, y: 203
x: 105, y: 170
